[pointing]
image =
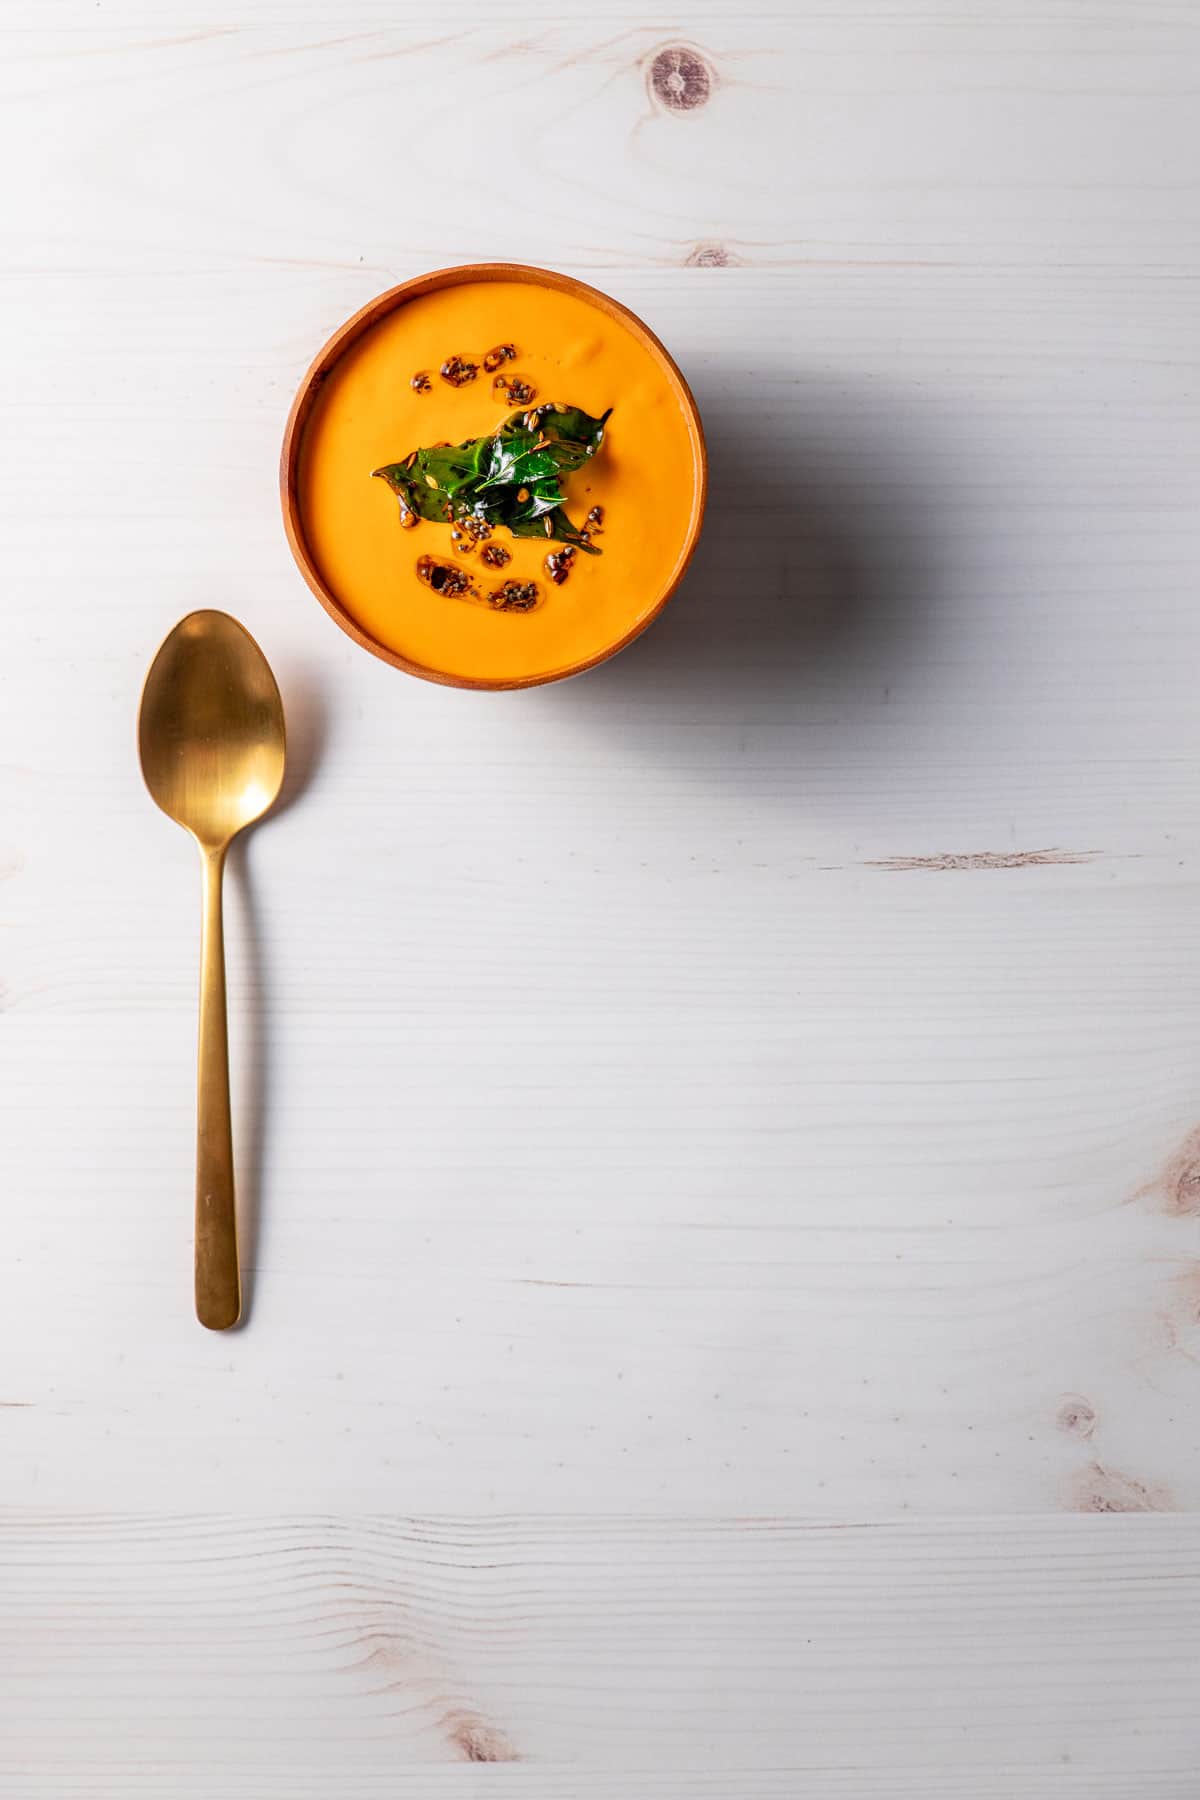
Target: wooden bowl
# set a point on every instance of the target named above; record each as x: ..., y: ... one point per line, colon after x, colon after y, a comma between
x: 361, y: 322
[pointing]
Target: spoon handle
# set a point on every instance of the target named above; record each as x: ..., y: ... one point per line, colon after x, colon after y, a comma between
x: 218, y: 1284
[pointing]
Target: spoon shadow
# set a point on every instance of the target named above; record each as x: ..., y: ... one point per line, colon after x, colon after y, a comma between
x: 306, y: 721
x: 306, y: 718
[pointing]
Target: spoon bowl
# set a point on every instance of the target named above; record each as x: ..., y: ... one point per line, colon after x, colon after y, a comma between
x: 211, y: 732
x: 211, y: 740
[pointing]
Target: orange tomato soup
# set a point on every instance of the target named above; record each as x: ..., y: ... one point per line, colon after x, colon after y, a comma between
x: 646, y: 476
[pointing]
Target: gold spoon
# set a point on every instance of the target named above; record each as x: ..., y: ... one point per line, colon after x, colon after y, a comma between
x: 211, y: 740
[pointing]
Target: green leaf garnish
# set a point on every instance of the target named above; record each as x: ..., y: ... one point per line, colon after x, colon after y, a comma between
x: 512, y: 478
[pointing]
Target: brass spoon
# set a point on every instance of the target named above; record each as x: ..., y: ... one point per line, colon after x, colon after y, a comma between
x: 211, y: 740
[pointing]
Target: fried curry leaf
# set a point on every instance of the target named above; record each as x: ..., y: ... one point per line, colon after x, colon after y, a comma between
x: 512, y: 478
x: 522, y: 522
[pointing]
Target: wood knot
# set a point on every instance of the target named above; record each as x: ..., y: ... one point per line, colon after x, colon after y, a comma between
x: 1184, y: 1196
x: 477, y: 1740
x: 680, y: 79
x: 1077, y: 1416
x: 1100, y: 1490
x: 711, y: 256
x: 1176, y: 1189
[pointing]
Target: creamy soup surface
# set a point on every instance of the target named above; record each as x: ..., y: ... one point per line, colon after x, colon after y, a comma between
x: 368, y: 414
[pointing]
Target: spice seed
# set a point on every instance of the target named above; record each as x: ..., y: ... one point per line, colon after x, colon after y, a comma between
x: 458, y: 370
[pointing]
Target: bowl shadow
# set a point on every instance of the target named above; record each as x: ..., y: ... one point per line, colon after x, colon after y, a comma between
x: 811, y: 589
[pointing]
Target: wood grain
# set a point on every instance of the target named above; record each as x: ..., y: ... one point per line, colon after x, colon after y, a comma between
x: 617, y: 1121
x: 590, y: 1657
x: 876, y: 132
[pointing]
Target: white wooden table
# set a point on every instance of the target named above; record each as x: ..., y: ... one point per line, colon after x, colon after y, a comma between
x: 718, y: 1138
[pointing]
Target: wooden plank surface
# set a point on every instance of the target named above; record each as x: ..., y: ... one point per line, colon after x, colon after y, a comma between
x: 757, y: 1081
x: 751, y: 1657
